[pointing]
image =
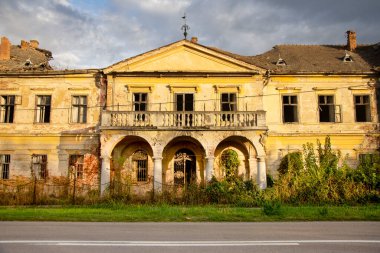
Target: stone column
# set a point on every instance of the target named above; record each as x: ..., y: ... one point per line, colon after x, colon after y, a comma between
x: 252, y: 161
x: 105, y: 174
x: 209, y: 168
x: 261, y: 172
x: 157, y: 174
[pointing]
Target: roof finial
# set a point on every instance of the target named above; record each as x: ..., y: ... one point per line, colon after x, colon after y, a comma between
x: 185, y: 27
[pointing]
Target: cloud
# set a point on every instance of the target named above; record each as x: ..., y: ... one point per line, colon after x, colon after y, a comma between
x: 98, y: 33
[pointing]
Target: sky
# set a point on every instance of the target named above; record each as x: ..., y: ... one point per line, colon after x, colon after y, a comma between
x: 95, y: 34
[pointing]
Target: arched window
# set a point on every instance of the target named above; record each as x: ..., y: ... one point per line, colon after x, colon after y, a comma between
x: 140, y: 163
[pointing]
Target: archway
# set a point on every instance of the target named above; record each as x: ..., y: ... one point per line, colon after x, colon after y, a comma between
x: 184, y: 167
x: 132, y: 166
x: 245, y: 152
x: 183, y: 162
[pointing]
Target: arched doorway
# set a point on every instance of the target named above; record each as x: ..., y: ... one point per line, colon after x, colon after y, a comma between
x: 184, y: 167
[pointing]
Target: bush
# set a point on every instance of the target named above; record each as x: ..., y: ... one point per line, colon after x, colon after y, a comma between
x: 271, y: 208
x: 322, y: 181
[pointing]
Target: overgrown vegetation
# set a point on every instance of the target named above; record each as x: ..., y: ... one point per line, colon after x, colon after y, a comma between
x: 315, y: 176
x: 318, y: 178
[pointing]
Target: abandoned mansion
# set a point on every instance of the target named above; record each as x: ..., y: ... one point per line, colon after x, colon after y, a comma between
x: 169, y: 116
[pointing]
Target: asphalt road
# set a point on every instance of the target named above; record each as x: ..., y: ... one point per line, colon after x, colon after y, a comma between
x: 91, y: 237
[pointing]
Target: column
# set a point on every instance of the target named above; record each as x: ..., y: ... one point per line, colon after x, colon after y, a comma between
x: 252, y: 161
x: 261, y: 173
x: 209, y: 168
x: 105, y: 174
x: 157, y: 174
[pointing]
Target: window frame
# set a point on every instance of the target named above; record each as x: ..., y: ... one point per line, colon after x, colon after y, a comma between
x: 367, y: 107
x: 77, y: 161
x: 184, y: 103
x: 290, y: 104
x: 41, y: 109
x: 230, y: 103
x: 42, y: 160
x: 141, y: 172
x: 5, y: 164
x: 139, y: 102
x: 331, y: 107
x: 79, y: 110
x: 7, y: 109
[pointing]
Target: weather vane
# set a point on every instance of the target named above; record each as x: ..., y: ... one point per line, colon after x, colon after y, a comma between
x: 185, y: 27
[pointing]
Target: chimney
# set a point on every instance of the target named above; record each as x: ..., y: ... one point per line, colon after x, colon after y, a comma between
x: 351, y: 40
x: 5, y: 49
x: 194, y: 40
x: 34, y: 43
x: 24, y: 44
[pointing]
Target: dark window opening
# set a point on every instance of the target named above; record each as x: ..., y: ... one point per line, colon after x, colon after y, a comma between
x: 76, y: 165
x: 79, y: 109
x: 326, y: 108
x: 7, y: 108
x: 140, y: 163
x: 290, y: 113
x: 362, y: 108
x: 39, y: 166
x: 43, y: 107
x: 184, y: 103
x: 5, y: 161
x: 228, y: 104
x: 140, y: 101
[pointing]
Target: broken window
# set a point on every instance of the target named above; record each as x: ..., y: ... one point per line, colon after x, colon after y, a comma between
x: 140, y: 102
x: 289, y: 109
x: 5, y: 161
x: 140, y: 163
x: 39, y: 166
x: 43, y: 106
x: 79, y: 109
x: 7, y: 109
x: 362, y: 108
x: 228, y: 104
x: 326, y: 108
x: 184, y: 103
x: 76, y: 165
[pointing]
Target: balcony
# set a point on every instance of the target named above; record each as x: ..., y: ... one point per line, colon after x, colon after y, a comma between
x: 183, y: 120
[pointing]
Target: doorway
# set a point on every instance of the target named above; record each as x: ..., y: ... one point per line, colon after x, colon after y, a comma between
x: 184, y: 167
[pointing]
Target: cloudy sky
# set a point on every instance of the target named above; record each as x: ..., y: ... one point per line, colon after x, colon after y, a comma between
x: 98, y: 33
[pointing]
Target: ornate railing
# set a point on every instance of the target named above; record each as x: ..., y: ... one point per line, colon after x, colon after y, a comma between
x: 184, y: 120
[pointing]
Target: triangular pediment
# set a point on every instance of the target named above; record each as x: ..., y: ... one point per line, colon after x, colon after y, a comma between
x: 182, y: 56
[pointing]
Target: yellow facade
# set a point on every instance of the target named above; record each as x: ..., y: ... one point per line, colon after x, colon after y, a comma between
x: 166, y: 117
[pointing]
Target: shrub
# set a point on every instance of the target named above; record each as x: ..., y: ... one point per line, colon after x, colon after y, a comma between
x: 272, y: 208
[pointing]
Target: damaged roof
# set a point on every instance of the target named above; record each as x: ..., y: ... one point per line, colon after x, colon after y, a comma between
x: 315, y: 59
x: 26, y: 59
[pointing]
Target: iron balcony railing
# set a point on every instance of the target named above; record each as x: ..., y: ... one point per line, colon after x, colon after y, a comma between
x: 184, y: 120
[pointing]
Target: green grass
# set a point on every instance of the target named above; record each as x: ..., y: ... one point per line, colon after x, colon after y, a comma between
x: 134, y: 213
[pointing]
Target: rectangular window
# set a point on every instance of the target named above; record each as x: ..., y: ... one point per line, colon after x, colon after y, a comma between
x: 140, y: 101
x: 79, y: 109
x: 140, y: 163
x: 76, y: 165
x: 362, y: 108
x: 326, y: 108
x: 43, y: 106
x: 5, y: 161
x: 228, y: 102
x: 367, y: 158
x: 184, y: 102
x: 7, y: 108
x: 39, y: 166
x: 289, y: 109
